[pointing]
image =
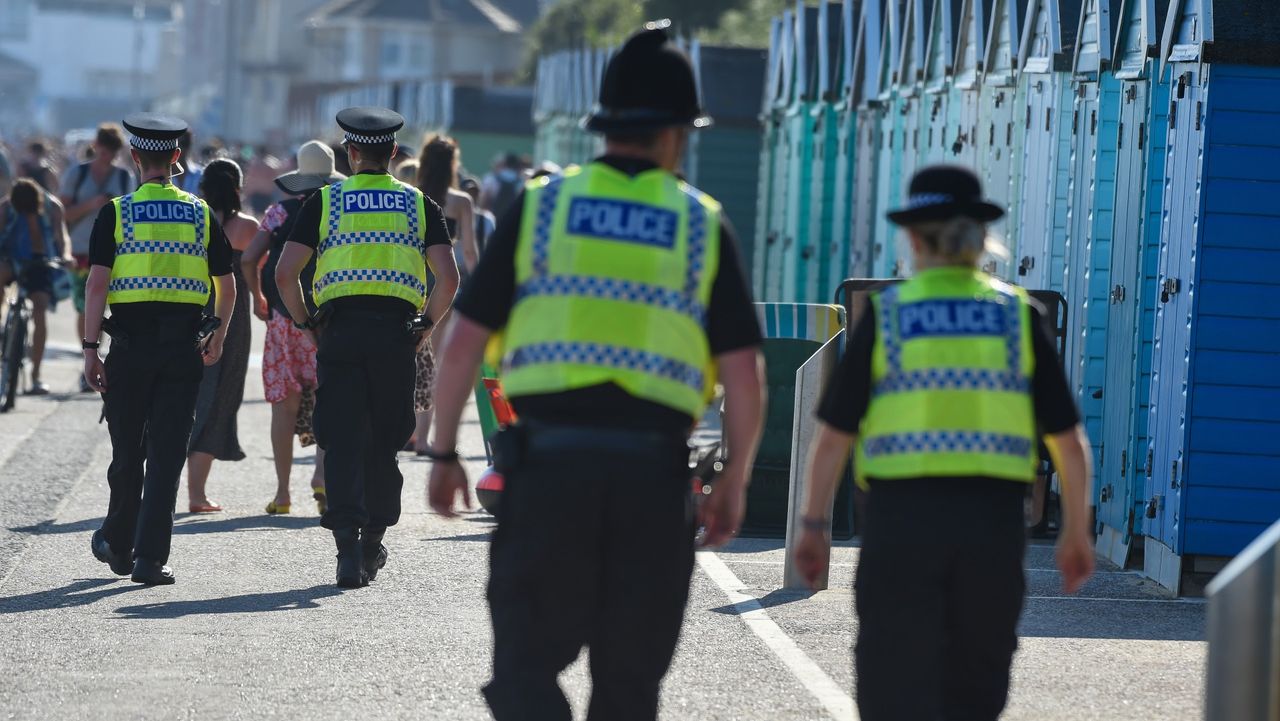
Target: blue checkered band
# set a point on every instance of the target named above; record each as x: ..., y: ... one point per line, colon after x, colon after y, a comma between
x: 160, y: 246
x: 372, y: 237
x: 368, y: 275
x: 597, y: 354
x: 157, y: 283
x: 152, y: 144
x: 335, y: 203
x: 370, y: 139
x: 613, y: 289
x: 127, y: 230
x: 897, y: 380
x: 925, y: 200
x: 697, y: 244
x: 542, y: 226
x: 947, y: 442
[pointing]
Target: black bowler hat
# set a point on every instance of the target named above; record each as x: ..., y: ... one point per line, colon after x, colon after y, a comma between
x: 943, y: 192
x: 648, y: 85
x: 370, y: 125
x: 154, y: 132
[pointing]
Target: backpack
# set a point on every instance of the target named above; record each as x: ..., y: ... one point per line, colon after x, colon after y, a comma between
x: 82, y: 173
x: 508, y: 191
x: 279, y: 236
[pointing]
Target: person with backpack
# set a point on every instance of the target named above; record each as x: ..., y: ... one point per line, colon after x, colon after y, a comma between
x: 502, y: 186
x: 288, y: 355
x: 84, y: 191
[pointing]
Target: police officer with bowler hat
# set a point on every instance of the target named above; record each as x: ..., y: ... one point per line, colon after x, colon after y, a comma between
x: 947, y: 382
x: 619, y: 301
x: 374, y: 238
x: 152, y: 255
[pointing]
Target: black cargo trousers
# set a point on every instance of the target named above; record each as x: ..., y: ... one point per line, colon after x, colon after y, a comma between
x: 594, y: 547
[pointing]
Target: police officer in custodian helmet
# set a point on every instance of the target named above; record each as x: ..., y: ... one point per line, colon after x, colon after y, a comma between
x: 152, y: 255
x: 620, y: 300
x: 375, y: 238
x: 947, y: 381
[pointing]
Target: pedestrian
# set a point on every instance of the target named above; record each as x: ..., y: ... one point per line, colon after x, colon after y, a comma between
x: 374, y: 238
x: 485, y: 222
x: 33, y: 240
x: 260, y: 176
x: 407, y: 172
x: 502, y: 185
x: 39, y: 165
x: 621, y: 301
x: 153, y: 253
x: 192, y: 169
x: 84, y: 191
x: 288, y: 355
x: 943, y: 383
x: 437, y: 179
x: 215, y: 435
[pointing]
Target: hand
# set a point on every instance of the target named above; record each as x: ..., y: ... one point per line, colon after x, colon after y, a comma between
x: 425, y: 340
x: 212, y: 349
x: 812, y: 555
x: 720, y: 514
x: 101, y: 199
x: 94, y: 372
x: 260, y: 309
x: 312, y: 338
x: 444, y: 484
x: 1075, y: 558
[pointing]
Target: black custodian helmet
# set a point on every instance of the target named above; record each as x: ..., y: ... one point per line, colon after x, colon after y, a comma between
x: 648, y: 85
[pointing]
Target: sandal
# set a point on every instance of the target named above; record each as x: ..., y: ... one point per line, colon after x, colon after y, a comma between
x: 273, y: 508
x: 321, y: 499
x: 210, y: 507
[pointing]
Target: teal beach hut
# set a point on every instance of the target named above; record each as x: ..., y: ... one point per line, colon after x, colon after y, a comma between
x: 839, y: 243
x: 770, y: 131
x: 940, y: 120
x: 893, y: 141
x: 874, y: 46
x: 965, y: 91
x: 1000, y: 129
x: 825, y: 245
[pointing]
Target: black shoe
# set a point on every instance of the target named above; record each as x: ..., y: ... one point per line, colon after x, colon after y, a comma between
x: 374, y: 553
x: 152, y: 573
x: 121, y: 566
x: 351, y: 572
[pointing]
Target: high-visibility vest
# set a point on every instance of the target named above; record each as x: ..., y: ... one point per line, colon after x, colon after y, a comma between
x: 162, y: 247
x: 951, y: 381
x: 613, y: 281
x: 372, y: 233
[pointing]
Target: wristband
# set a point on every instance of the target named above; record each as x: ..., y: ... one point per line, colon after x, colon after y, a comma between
x: 446, y: 457
x: 307, y: 324
x: 815, y: 524
x: 86, y: 345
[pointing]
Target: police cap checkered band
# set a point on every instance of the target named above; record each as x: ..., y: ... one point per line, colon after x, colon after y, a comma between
x: 924, y: 200
x: 359, y: 139
x: 153, y: 144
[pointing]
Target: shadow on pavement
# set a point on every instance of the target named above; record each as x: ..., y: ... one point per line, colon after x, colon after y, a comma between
x: 477, y: 537
x: 248, y: 603
x: 51, y: 527
x: 1112, y: 618
x: 779, y: 597
x: 189, y: 524
x: 75, y: 594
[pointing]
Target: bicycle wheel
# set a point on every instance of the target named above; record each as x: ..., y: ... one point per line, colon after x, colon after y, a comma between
x: 15, y: 350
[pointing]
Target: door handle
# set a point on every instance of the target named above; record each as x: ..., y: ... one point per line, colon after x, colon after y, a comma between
x: 1117, y: 294
x: 1169, y: 287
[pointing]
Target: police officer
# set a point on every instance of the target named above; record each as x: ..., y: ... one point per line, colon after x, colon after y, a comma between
x: 944, y: 383
x: 375, y: 237
x: 621, y: 301
x: 152, y: 254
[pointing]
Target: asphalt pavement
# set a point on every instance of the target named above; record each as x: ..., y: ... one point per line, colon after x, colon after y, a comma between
x: 255, y: 628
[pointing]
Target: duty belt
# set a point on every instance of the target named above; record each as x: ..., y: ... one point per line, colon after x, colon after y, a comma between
x: 532, y: 441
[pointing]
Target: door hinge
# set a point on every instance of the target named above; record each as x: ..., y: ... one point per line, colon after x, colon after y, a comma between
x: 1028, y: 117
x: 1117, y: 294
x: 1075, y: 122
x: 1170, y: 287
x: 1048, y: 119
x: 1124, y: 461
x: 1093, y: 122
x: 992, y: 139
x: 1142, y: 130
x: 1199, y: 112
x: 1173, y: 115
x: 1153, y: 506
x: 1150, y: 459
x: 1120, y: 138
x: 1008, y: 135
x: 1173, y: 475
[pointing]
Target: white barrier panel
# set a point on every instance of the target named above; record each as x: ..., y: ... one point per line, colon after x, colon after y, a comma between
x: 811, y: 379
x: 1243, y: 679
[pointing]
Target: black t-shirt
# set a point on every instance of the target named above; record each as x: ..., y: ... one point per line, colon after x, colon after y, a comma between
x: 489, y: 296
x: 102, y: 251
x: 307, y: 232
x: 845, y: 401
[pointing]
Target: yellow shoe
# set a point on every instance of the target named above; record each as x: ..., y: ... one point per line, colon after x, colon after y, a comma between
x: 273, y: 509
x: 321, y: 499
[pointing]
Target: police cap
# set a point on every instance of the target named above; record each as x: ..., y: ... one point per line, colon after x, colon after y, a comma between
x: 648, y: 85
x: 370, y: 125
x: 154, y: 132
x: 943, y: 192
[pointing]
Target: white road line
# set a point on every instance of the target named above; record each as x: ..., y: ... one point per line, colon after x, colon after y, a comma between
x: 839, y: 705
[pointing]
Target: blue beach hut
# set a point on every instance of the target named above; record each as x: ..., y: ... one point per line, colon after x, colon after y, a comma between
x: 1000, y: 130
x: 1135, y: 252
x: 876, y: 43
x: 1214, y: 476
x: 1044, y: 81
x: 939, y: 117
x: 965, y: 91
x: 770, y: 130
x: 840, y: 242
x: 800, y: 138
x: 826, y: 244
x: 776, y: 228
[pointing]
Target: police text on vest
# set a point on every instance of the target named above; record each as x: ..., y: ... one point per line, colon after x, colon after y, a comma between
x: 163, y: 211
x: 624, y: 221
x: 950, y: 318
x: 373, y: 201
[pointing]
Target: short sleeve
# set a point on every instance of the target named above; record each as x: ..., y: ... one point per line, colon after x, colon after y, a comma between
x: 219, y: 249
x: 435, y: 230
x: 102, y: 240
x: 731, y: 318
x: 1055, y: 407
x: 307, y: 230
x: 848, y: 394
x: 273, y: 218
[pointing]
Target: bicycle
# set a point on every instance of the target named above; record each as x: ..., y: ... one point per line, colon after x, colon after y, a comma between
x: 14, y: 343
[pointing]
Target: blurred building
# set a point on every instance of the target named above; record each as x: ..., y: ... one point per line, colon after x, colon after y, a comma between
x: 84, y: 61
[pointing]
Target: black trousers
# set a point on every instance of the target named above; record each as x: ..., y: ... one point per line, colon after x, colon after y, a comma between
x: 939, y: 591
x: 152, y: 382
x: 363, y: 415
x: 594, y: 547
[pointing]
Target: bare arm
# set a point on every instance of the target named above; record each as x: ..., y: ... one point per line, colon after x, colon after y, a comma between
x: 86, y: 207
x: 293, y: 258
x: 827, y: 458
x: 467, y: 231
x: 459, y: 361
x: 1071, y: 457
x: 57, y: 219
x: 445, y: 268
x: 249, y: 260
x: 95, y: 306
x: 742, y: 375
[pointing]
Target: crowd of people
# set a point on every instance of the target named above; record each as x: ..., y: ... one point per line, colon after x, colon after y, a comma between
x: 51, y: 193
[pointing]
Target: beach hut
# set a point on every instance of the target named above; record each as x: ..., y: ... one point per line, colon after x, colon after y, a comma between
x: 1135, y: 252
x: 825, y: 244
x: 939, y: 117
x: 775, y: 242
x: 891, y: 140
x: 800, y: 137
x: 839, y: 244
x: 770, y: 130
x: 877, y: 44
x: 965, y: 91
x: 1000, y: 130
x: 1044, y: 81
x: 1214, y: 475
